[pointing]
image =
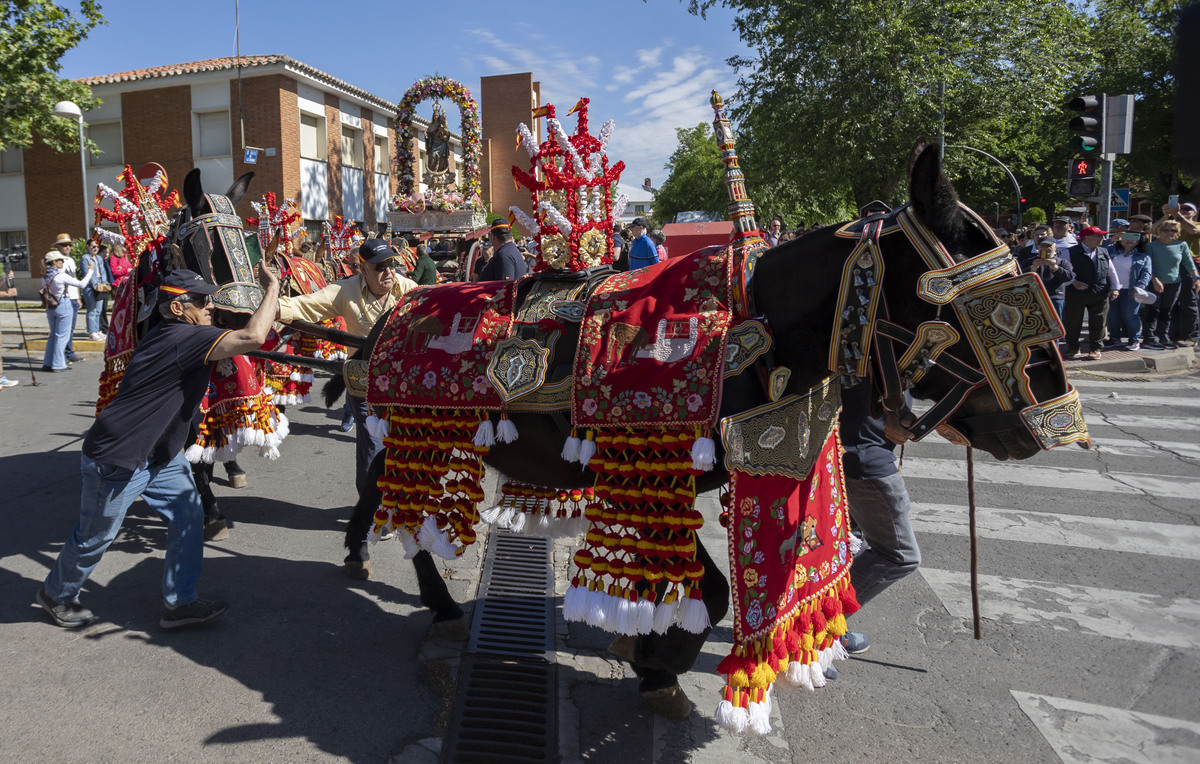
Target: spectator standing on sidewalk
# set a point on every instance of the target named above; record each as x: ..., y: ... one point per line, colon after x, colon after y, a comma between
x: 135, y: 448
x: 8, y: 291
x: 95, y: 294
x: 1170, y: 260
x: 1055, y: 271
x: 1132, y: 266
x: 642, y: 251
x: 1061, y: 228
x: 59, y: 318
x: 1094, y: 285
x: 1185, y: 321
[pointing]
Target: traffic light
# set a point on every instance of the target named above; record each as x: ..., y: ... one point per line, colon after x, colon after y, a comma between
x: 1081, y: 177
x: 1089, y: 124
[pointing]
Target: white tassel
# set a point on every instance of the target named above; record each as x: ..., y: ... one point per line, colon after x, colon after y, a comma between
x: 570, y: 450
x: 491, y: 514
x: 693, y: 616
x: 838, y: 651
x: 485, y: 436
x: 506, y: 431
x: 664, y: 616
x: 731, y: 717
x: 645, y: 616
x: 587, y: 449
x: 760, y: 715
x: 518, y: 522
x: 817, y: 676
x: 436, y: 540
x: 409, y: 542
x: 597, y: 609
x: 704, y: 454
x: 194, y: 453
x: 574, y: 607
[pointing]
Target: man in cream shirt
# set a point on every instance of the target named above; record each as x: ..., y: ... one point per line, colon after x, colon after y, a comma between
x: 361, y: 300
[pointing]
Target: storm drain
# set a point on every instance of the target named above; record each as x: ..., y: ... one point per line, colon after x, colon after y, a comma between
x: 505, y: 705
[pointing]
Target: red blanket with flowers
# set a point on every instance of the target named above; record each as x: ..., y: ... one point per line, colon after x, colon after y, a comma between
x: 434, y: 350
x: 651, y: 347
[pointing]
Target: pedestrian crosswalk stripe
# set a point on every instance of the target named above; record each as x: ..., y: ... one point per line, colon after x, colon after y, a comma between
x: 1086, y: 732
x: 1068, y: 478
x: 1171, y: 402
x: 1139, y: 422
x: 1108, y: 385
x: 1142, y: 448
x: 1134, y: 536
x: 1170, y: 621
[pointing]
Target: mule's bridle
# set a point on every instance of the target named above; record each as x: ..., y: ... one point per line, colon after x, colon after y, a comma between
x: 1007, y: 318
x: 222, y: 225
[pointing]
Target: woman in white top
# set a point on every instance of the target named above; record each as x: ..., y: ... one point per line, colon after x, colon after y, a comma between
x: 62, y: 317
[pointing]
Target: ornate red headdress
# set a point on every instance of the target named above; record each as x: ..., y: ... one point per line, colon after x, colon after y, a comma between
x: 274, y: 219
x: 571, y: 186
x: 341, y: 237
x: 141, y: 213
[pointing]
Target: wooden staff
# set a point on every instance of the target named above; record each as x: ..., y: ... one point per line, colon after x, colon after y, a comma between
x: 974, y: 544
x: 299, y: 360
x: 335, y: 336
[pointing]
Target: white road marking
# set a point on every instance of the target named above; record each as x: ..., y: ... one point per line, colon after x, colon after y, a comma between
x: 1070, y: 478
x: 1135, y: 536
x: 1186, y: 400
x: 1140, y: 448
x: 1188, y: 384
x: 1137, y: 422
x: 1170, y: 621
x: 1085, y: 732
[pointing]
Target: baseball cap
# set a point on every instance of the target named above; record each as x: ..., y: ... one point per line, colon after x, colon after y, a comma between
x: 375, y: 251
x: 640, y: 221
x: 1046, y: 240
x: 1093, y: 231
x: 1063, y: 220
x: 183, y: 281
x: 1189, y: 206
x: 1120, y: 223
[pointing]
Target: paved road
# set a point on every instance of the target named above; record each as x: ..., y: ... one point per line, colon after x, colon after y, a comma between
x: 1091, y: 648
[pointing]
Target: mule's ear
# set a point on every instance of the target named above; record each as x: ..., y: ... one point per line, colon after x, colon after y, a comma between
x: 238, y: 189
x: 917, y: 150
x: 193, y: 192
x: 932, y: 196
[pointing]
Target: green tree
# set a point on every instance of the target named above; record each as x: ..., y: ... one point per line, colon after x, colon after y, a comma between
x: 695, y: 176
x: 34, y: 35
x: 836, y: 92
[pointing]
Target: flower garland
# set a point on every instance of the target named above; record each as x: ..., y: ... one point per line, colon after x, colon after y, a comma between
x: 406, y: 130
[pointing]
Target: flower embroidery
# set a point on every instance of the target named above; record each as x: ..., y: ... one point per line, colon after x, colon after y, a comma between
x: 754, y: 615
x: 429, y: 380
x: 641, y: 399
x: 590, y: 406
x: 750, y: 576
x: 480, y: 384
x: 381, y: 384
x: 694, y: 402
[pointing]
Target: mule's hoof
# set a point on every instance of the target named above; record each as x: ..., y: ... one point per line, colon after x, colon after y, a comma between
x: 237, y: 480
x: 669, y: 702
x: 359, y: 571
x: 622, y: 647
x: 216, y: 530
x: 455, y: 629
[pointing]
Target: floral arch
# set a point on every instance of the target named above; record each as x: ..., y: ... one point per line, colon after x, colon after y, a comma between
x: 438, y: 87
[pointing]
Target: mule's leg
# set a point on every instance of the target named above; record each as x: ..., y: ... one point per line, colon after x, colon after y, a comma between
x: 215, y: 527
x: 659, y: 659
x: 358, y: 559
x: 449, y: 621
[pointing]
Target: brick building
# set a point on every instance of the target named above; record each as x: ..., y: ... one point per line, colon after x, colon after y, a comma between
x: 505, y: 101
x: 321, y: 141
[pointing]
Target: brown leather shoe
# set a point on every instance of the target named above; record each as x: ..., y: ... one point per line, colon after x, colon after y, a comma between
x: 669, y: 703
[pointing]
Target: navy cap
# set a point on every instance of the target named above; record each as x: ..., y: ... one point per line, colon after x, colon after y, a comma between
x: 182, y: 281
x: 640, y: 221
x: 1119, y: 222
x: 375, y: 251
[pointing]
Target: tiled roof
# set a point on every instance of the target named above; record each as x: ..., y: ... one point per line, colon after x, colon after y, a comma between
x: 230, y: 63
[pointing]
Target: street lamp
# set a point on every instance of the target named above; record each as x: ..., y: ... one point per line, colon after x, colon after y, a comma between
x: 71, y: 110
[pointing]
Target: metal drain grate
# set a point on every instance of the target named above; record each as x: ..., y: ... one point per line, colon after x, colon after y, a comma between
x: 505, y: 706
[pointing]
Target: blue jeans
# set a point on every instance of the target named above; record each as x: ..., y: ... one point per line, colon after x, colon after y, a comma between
x: 1123, y: 314
x: 95, y: 308
x: 59, y: 320
x: 365, y: 446
x: 106, y: 495
x: 880, y: 508
x: 71, y: 333
x: 1058, y: 305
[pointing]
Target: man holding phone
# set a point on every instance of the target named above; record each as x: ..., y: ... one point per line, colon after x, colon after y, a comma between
x: 1054, y: 271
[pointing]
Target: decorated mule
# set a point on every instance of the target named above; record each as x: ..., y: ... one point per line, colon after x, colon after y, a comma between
x: 600, y: 396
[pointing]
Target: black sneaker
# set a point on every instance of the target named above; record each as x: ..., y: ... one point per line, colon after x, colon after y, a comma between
x: 69, y: 616
x: 192, y: 613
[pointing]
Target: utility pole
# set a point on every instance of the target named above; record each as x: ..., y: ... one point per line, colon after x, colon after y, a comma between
x: 1011, y: 177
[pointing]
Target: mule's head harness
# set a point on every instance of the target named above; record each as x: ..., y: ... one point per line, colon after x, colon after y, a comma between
x: 1007, y: 318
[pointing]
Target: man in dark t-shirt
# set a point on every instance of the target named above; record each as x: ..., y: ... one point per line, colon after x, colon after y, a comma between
x: 135, y: 448
x: 506, y: 264
x: 879, y: 503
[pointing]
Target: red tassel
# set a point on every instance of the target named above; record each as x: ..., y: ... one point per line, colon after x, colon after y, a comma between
x: 850, y: 604
x: 830, y: 607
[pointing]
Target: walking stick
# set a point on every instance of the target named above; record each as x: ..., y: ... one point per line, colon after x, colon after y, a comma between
x: 974, y: 544
x: 9, y: 285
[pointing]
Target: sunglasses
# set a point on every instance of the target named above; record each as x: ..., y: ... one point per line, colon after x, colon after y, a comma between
x: 392, y: 264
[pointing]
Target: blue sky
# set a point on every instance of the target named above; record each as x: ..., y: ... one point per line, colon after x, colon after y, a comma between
x: 647, y: 65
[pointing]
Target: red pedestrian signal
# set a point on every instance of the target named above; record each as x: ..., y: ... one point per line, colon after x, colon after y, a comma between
x: 1081, y: 178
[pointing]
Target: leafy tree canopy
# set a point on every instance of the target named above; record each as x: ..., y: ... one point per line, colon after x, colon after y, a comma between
x: 34, y: 35
x: 695, y: 176
x: 834, y: 92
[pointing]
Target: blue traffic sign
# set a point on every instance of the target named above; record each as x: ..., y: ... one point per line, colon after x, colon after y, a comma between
x: 1120, y: 199
x: 251, y: 156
